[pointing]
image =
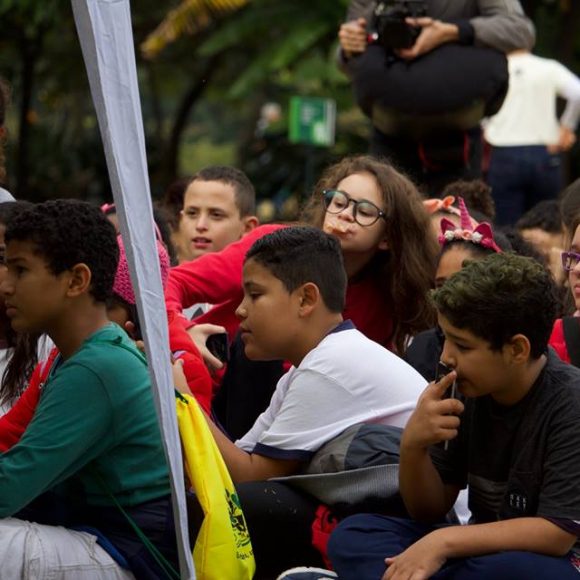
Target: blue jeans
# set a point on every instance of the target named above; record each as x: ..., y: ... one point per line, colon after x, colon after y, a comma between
x: 520, y: 177
x: 360, y: 544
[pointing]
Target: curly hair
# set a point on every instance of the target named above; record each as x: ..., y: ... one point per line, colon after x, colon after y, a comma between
x: 499, y: 297
x: 407, y: 270
x: 475, y: 193
x: 67, y: 232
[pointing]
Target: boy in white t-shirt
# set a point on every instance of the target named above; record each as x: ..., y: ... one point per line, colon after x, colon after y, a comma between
x: 294, y: 291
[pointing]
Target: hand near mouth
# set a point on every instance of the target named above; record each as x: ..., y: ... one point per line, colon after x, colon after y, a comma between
x: 337, y: 227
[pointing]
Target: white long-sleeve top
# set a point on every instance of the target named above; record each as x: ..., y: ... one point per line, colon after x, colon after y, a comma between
x: 528, y: 115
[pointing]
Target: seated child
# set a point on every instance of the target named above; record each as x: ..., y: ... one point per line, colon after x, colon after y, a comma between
x: 294, y: 287
x: 565, y: 338
x: 94, y: 434
x: 219, y: 206
x: 459, y: 242
x: 294, y: 291
x: 121, y: 308
x: 515, y: 440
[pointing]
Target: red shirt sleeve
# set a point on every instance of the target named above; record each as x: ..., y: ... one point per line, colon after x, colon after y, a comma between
x: 196, y: 373
x: 214, y: 277
x: 558, y: 342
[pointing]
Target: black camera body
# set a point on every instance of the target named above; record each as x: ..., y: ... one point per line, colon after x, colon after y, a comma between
x: 392, y: 32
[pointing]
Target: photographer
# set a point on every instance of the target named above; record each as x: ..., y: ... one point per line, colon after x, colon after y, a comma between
x: 451, y: 149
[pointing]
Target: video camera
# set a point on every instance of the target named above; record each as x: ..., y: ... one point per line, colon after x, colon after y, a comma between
x: 392, y: 32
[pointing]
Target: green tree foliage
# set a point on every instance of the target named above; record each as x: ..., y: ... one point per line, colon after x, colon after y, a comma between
x: 206, y: 68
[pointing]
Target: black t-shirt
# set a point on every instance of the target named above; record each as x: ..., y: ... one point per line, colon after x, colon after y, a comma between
x: 522, y: 460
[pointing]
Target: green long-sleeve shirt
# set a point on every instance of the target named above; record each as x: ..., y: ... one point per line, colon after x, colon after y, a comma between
x: 95, y: 414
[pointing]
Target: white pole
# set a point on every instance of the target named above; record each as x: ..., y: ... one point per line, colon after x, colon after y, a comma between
x: 105, y: 33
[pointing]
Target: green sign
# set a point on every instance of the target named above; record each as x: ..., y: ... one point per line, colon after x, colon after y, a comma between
x: 312, y: 121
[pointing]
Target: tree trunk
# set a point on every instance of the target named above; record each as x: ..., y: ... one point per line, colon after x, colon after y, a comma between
x: 30, y: 50
x: 156, y: 108
x: 170, y: 166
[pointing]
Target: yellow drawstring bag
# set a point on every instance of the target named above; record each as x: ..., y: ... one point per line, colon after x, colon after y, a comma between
x: 223, y: 550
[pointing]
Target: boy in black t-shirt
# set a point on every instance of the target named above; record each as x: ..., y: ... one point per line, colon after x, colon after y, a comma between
x: 515, y: 440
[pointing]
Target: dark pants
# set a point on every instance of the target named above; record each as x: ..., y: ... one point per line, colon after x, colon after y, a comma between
x: 360, y: 544
x: 280, y: 522
x: 435, y: 162
x: 520, y: 177
x: 155, y: 518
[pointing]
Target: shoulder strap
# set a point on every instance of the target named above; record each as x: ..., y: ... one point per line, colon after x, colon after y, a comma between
x: 571, y: 327
x: 163, y: 563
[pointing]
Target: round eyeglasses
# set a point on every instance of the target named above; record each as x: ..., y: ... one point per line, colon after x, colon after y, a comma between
x: 365, y: 213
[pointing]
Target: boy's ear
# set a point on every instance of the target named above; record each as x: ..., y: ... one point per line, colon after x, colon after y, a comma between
x: 519, y: 349
x: 80, y: 278
x: 250, y: 222
x: 309, y: 298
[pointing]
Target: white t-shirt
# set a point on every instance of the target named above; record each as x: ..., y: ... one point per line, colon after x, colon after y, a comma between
x: 528, y: 115
x: 347, y: 379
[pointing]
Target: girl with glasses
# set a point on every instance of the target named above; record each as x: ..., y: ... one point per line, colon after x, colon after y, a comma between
x: 379, y: 218
x: 565, y: 337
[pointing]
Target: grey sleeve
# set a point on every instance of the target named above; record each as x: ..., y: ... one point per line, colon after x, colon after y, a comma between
x: 356, y: 9
x: 503, y: 25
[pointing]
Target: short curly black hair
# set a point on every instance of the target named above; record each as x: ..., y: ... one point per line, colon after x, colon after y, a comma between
x: 499, y: 297
x: 67, y: 232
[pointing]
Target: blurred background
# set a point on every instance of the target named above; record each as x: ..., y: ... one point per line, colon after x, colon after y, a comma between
x: 216, y: 79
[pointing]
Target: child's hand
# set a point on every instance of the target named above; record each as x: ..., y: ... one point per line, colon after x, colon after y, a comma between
x: 419, y: 561
x: 435, y: 419
x: 199, y: 334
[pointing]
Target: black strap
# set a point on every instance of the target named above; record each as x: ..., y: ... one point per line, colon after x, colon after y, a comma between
x: 571, y: 326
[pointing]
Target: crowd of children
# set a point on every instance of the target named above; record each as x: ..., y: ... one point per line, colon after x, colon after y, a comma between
x: 378, y: 307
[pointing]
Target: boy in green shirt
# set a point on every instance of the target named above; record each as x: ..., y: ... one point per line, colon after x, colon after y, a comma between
x: 95, y: 429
